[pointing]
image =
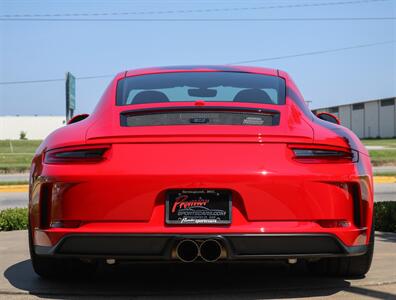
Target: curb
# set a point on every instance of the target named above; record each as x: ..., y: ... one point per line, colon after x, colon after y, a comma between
x: 384, y: 179
x: 25, y: 188
x: 14, y: 188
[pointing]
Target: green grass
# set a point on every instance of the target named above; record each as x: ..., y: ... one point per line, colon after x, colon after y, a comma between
x: 383, y: 157
x: 13, y: 182
x: 16, y: 155
x: 19, y: 146
x: 15, y: 159
x: 389, y: 143
x: 384, y: 173
x: 12, y: 163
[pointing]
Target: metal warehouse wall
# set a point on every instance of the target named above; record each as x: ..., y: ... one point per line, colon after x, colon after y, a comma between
x: 36, y: 127
x: 371, y: 119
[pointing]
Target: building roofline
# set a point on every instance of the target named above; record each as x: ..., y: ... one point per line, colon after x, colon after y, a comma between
x: 352, y: 103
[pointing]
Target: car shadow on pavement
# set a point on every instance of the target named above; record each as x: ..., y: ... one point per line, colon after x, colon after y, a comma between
x: 250, y: 281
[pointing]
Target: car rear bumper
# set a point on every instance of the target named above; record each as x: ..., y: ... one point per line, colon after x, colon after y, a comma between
x: 161, y: 247
x: 271, y: 193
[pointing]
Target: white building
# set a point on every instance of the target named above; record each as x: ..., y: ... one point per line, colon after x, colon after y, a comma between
x: 369, y: 119
x: 35, y: 127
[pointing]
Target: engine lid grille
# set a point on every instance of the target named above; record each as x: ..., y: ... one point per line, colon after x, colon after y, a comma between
x: 188, y: 116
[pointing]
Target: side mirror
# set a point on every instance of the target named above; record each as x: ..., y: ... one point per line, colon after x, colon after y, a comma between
x: 328, y: 117
x: 77, y: 118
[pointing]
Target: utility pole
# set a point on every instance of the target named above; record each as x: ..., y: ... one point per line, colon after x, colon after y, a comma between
x: 70, y: 95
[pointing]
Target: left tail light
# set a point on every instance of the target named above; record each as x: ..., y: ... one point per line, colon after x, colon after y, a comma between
x: 72, y: 155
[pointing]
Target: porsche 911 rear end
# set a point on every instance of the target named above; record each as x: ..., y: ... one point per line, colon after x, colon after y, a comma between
x: 201, y: 164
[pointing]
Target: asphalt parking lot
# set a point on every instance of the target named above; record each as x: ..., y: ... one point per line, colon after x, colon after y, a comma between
x: 195, y: 281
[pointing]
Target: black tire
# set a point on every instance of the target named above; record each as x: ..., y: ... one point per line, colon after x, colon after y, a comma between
x: 55, y: 268
x: 353, y: 266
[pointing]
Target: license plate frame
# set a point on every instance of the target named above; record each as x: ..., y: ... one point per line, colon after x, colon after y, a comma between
x: 198, y: 207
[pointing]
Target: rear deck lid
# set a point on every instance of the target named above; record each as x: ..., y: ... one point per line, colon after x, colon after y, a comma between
x: 214, y: 122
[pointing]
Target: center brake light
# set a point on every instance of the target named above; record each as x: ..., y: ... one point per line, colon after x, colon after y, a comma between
x: 72, y: 155
x: 323, y: 154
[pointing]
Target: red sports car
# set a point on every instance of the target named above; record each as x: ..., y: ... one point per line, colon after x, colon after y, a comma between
x: 201, y: 164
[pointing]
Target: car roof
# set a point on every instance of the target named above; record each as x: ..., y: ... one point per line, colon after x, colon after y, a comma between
x: 202, y: 68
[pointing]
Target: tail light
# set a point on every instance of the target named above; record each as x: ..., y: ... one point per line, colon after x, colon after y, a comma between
x: 334, y: 223
x: 66, y: 224
x: 315, y: 154
x: 72, y: 155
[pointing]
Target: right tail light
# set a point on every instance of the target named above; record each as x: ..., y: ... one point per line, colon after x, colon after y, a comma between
x: 317, y: 154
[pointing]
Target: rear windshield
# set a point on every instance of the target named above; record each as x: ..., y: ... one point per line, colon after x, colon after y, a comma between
x: 207, y: 86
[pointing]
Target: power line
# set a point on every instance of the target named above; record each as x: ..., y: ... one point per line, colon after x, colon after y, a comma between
x: 51, y: 80
x: 200, y: 19
x: 311, y: 53
x: 232, y: 63
x: 181, y: 11
x: 95, y: 76
x: 31, y: 81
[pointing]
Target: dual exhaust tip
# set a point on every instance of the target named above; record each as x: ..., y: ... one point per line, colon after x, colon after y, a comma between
x: 209, y: 250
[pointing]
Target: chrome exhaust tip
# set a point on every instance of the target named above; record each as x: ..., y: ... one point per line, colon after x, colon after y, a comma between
x: 187, y: 250
x: 210, y: 250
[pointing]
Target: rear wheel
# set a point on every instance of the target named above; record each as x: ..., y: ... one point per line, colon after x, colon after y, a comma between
x: 354, y: 266
x: 51, y: 267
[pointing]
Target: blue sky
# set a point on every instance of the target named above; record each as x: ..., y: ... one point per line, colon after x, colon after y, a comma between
x: 45, y: 50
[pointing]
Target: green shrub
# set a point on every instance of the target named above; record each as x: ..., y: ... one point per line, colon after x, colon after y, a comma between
x: 22, y: 135
x: 385, y: 216
x: 13, y: 219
